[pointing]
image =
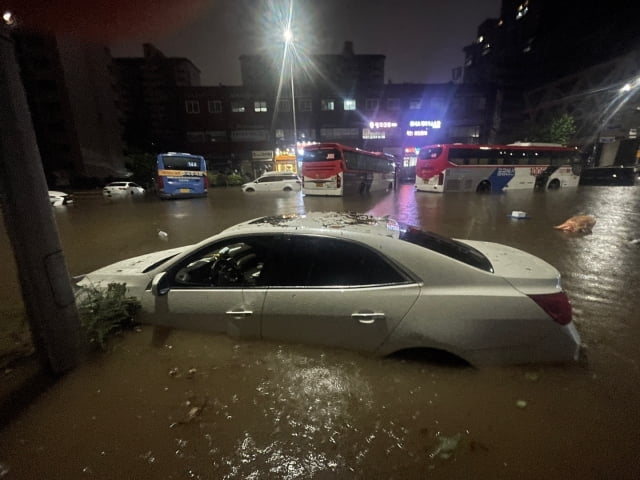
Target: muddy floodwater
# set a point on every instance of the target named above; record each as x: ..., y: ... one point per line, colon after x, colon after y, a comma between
x: 187, y: 405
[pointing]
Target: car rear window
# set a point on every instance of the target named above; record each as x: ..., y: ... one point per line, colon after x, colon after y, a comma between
x: 446, y: 246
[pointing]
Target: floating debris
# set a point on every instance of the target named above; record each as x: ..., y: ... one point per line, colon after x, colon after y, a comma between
x: 578, y: 224
x: 163, y: 235
x: 446, y: 446
x: 532, y: 376
x: 518, y: 214
x: 521, y: 404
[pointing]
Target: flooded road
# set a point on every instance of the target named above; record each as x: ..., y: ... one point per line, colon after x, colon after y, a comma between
x: 186, y: 405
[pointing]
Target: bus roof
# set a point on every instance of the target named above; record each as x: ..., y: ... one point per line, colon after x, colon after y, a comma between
x: 510, y: 146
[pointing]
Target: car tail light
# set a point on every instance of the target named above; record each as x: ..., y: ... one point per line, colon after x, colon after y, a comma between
x: 160, y: 183
x: 206, y: 182
x: 556, y: 305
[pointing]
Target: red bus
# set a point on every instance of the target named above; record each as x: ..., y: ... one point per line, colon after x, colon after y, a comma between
x: 331, y: 169
x: 496, y: 168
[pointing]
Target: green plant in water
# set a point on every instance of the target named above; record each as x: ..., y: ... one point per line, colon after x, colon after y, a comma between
x: 104, y: 312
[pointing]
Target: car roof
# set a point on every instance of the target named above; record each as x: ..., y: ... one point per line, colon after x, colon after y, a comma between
x: 321, y: 222
x: 269, y: 174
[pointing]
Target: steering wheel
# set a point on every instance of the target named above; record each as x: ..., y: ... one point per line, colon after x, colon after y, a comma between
x: 224, y: 272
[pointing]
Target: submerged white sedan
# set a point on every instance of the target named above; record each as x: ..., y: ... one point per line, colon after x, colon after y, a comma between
x: 358, y: 282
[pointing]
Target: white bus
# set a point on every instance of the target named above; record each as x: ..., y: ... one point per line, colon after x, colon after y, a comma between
x: 496, y: 168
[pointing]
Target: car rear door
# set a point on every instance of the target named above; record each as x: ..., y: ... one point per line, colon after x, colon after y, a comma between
x: 334, y: 292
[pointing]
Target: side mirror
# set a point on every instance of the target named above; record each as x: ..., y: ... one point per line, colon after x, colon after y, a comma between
x: 160, y: 284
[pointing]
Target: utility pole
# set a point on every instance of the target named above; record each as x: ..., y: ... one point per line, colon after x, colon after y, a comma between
x: 46, y: 288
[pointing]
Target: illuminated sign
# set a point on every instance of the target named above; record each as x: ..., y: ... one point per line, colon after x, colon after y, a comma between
x: 425, y: 123
x: 373, y: 125
x: 420, y: 128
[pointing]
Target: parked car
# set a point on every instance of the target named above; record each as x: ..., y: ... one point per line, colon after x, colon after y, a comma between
x: 59, y: 199
x: 274, y: 181
x: 358, y: 282
x: 122, y: 189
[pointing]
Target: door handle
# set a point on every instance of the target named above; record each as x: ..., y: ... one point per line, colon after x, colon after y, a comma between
x: 368, y: 318
x: 239, y: 313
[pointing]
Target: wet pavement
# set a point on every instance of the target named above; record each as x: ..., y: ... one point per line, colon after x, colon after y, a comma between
x: 179, y: 404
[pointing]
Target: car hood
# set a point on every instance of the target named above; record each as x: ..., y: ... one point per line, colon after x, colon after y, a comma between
x: 136, y: 272
x: 526, y: 272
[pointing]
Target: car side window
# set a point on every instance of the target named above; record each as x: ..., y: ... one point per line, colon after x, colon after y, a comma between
x: 315, y: 261
x: 232, y: 263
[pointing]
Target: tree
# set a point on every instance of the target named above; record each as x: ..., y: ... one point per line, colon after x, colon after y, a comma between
x: 559, y: 129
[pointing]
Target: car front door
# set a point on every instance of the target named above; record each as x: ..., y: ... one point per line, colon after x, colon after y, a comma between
x: 334, y: 292
x: 218, y: 289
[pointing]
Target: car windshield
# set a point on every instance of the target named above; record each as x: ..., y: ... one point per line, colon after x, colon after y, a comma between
x: 446, y: 246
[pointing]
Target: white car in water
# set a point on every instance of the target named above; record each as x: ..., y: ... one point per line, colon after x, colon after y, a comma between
x: 122, y: 189
x: 358, y: 282
x: 274, y: 182
x: 60, y: 199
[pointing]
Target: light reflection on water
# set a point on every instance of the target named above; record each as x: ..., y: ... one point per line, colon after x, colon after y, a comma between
x: 201, y: 406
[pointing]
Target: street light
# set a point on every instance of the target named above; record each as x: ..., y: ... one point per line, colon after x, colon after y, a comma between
x: 288, y: 45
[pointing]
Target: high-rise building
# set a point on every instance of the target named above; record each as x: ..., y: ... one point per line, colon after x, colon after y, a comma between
x: 72, y: 101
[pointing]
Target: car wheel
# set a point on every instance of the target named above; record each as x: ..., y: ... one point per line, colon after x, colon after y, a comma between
x: 287, y: 189
x: 249, y: 190
x: 484, y: 187
x: 554, y: 184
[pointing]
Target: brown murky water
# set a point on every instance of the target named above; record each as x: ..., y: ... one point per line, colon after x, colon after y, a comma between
x: 189, y: 405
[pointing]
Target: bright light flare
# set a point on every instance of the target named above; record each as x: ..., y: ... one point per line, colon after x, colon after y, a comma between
x: 8, y: 18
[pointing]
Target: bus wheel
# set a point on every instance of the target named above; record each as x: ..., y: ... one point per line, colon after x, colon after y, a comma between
x: 554, y: 184
x: 484, y: 187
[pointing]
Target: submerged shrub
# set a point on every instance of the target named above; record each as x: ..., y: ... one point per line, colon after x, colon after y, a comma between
x: 105, y: 312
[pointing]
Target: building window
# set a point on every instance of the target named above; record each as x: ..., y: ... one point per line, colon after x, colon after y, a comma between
x: 373, y: 134
x: 349, y: 104
x: 284, y: 105
x: 393, y: 104
x: 415, y: 104
x: 215, y: 136
x: 195, y: 137
x: 522, y: 10
x: 215, y: 106
x: 371, y: 104
x: 259, y: 106
x: 439, y: 104
x: 237, y: 107
x: 192, y: 106
x: 470, y: 134
x: 327, y: 104
x: 304, y: 105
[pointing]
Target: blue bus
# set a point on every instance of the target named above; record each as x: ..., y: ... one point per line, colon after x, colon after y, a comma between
x: 181, y: 175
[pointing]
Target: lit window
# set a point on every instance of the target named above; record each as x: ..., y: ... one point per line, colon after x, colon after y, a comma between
x: 259, y: 106
x: 215, y: 106
x: 349, y: 104
x: 192, y: 106
x: 237, y: 107
x: 523, y: 9
x: 327, y: 104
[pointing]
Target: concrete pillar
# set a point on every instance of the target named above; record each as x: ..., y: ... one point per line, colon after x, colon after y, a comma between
x: 44, y: 279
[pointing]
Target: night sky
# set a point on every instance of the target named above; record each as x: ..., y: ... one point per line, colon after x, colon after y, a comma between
x: 421, y: 39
